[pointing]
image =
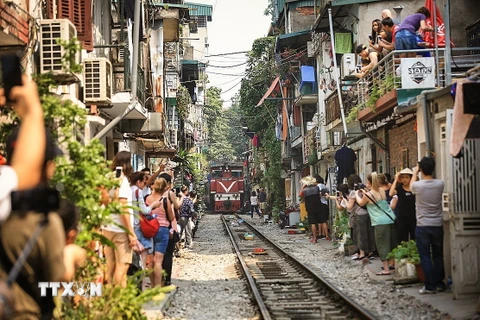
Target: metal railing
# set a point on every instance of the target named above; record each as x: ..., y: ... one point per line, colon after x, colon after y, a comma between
x: 386, y: 76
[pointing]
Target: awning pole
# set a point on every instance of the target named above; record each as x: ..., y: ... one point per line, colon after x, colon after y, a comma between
x: 133, y: 86
x: 337, y: 76
x: 435, y: 27
x: 448, y: 46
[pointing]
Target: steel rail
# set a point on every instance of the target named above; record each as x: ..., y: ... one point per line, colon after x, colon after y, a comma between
x: 361, y: 312
x: 253, y: 287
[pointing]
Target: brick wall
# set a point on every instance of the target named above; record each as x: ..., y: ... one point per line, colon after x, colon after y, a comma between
x: 402, y: 140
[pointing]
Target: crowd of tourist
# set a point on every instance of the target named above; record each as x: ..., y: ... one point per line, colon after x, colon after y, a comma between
x: 382, y: 214
x: 389, y: 34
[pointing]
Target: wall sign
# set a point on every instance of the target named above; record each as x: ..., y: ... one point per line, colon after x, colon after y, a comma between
x: 418, y: 73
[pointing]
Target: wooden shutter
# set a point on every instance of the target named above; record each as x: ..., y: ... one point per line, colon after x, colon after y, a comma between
x: 79, y: 12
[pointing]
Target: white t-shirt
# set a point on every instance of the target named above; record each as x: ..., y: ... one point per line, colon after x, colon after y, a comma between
x: 124, y: 192
x: 146, y: 191
x: 8, y: 183
x: 253, y: 200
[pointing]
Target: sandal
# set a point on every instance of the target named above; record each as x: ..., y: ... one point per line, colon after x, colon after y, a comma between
x: 359, y: 258
x: 381, y: 273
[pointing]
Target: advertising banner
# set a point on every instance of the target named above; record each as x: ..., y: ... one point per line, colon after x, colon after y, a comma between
x: 418, y: 73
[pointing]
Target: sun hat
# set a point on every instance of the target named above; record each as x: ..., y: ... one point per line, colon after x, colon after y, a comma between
x: 308, y: 180
x: 407, y: 171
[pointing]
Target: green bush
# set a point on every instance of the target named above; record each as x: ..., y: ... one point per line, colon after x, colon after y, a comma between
x: 406, y: 250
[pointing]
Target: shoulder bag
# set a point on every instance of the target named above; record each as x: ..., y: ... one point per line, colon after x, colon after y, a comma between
x: 150, y: 226
x: 375, y: 203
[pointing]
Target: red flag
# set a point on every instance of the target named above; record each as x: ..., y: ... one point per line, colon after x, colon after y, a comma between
x: 429, y: 37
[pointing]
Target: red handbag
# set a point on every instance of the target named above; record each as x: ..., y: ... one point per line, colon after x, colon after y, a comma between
x: 149, y: 227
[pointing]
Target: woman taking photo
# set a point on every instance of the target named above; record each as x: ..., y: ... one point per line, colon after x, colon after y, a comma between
x: 382, y: 218
x: 363, y: 234
x: 164, y: 214
x: 120, y: 231
x: 405, y: 205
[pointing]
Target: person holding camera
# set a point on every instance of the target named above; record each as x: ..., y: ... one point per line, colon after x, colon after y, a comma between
x: 35, y: 215
x: 362, y: 230
x: 381, y: 216
x: 120, y: 230
x: 25, y: 165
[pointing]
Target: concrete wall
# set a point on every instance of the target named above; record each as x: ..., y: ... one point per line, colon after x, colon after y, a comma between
x: 462, y: 14
x: 300, y: 19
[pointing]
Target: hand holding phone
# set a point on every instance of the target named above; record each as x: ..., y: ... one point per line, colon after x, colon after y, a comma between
x: 11, y: 74
x: 118, y: 172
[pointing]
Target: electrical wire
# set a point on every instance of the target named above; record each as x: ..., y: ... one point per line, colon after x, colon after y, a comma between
x: 232, y: 66
x: 226, y: 74
x: 227, y: 53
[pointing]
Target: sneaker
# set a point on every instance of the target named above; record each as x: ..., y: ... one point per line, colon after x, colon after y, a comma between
x: 425, y: 291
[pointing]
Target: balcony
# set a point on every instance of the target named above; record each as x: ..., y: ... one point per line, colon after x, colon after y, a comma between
x: 381, y: 88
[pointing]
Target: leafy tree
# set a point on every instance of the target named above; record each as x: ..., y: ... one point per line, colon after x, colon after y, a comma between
x: 80, y: 173
x: 260, y: 73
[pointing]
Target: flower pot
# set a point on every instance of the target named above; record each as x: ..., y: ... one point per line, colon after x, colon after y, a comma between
x: 420, y: 274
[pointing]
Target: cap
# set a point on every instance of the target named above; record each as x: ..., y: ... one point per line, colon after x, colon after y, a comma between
x: 360, y: 48
x: 407, y: 171
x: 51, y: 150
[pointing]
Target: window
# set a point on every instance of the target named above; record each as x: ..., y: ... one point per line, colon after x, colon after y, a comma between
x: 236, y: 173
x: 217, y: 174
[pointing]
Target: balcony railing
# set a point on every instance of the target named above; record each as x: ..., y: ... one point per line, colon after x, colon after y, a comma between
x: 386, y: 76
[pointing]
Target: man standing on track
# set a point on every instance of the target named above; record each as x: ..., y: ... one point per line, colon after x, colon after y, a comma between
x: 262, y: 201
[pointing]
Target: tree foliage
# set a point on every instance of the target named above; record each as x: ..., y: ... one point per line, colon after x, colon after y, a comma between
x: 260, y: 73
x: 80, y: 173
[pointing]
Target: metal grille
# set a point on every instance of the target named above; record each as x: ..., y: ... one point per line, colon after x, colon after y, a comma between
x: 98, y: 80
x: 51, y: 53
x: 466, y: 179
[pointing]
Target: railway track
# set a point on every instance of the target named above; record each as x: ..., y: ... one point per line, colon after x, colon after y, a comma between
x: 283, y: 287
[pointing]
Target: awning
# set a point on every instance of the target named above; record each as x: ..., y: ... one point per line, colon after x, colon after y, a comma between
x: 192, y: 62
x: 293, y: 40
x: 345, y: 2
x: 339, y: 12
x: 197, y: 9
x: 269, y: 91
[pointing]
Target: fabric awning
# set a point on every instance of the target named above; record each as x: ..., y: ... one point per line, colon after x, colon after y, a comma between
x: 293, y: 40
x: 269, y: 91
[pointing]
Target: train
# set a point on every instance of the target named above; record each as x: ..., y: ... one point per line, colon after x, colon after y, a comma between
x: 225, y: 187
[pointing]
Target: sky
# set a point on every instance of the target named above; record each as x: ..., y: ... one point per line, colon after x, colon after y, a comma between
x: 235, y: 25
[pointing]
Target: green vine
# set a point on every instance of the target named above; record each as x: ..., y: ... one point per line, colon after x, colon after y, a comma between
x: 183, y: 102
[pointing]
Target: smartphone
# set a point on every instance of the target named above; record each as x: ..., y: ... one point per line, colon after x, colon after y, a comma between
x: 11, y: 73
x: 370, y: 37
x: 355, y: 187
x: 118, y: 172
x: 338, y: 193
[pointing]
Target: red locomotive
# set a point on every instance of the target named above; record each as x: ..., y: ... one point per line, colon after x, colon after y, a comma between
x: 226, y: 187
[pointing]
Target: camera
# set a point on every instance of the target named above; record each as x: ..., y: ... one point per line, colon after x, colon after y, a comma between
x: 11, y: 73
x: 338, y: 193
x: 370, y: 37
x: 40, y: 199
x: 359, y: 186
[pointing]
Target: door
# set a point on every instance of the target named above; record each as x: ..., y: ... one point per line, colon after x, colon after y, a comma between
x: 463, y: 205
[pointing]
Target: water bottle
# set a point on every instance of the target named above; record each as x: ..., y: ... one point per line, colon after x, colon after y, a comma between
x: 449, y: 283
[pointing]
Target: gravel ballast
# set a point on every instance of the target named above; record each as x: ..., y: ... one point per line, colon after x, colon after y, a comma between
x: 210, y: 286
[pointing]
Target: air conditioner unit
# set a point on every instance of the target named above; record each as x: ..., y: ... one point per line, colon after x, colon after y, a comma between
x: 121, y: 50
x: 348, y: 64
x: 98, y: 81
x: 52, y: 53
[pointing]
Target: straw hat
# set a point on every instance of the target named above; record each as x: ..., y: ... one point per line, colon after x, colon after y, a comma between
x: 308, y: 180
x: 407, y: 171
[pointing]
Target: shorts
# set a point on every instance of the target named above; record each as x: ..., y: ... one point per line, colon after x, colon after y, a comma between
x: 160, y: 240
x: 122, y: 252
x: 385, y: 239
x: 263, y: 206
x: 405, y: 40
x: 147, y: 243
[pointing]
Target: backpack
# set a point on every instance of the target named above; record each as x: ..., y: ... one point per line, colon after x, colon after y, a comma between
x: 149, y: 225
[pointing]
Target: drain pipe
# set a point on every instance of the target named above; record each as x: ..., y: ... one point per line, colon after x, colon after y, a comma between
x: 133, y: 86
x: 337, y: 76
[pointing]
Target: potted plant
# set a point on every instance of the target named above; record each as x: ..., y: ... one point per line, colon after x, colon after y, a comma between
x: 406, y: 258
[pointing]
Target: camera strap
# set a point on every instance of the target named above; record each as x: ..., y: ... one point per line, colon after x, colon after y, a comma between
x: 46, y: 305
x: 375, y: 203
